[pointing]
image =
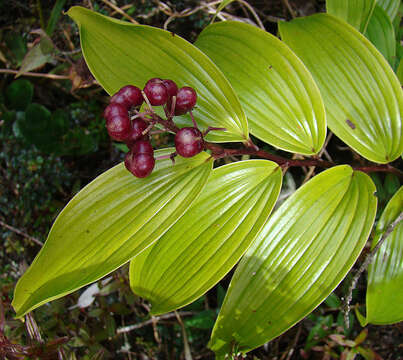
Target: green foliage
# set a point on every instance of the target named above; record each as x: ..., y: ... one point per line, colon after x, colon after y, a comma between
x: 281, y: 100
x: 210, y: 238
x: 137, y: 53
x: 19, y: 94
x: 93, y: 222
x: 385, y: 275
x: 50, y: 132
x: 357, y: 13
x: 302, y: 253
x: 381, y: 33
x: 362, y: 96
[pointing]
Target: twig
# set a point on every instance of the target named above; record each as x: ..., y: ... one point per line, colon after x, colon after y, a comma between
x: 219, y: 151
x: 120, y: 11
x: 19, y: 232
x: 48, y: 76
x: 364, y: 266
x: 186, y: 347
x: 128, y: 328
x: 290, y: 9
x: 380, y: 168
x: 312, y: 168
x: 255, y: 15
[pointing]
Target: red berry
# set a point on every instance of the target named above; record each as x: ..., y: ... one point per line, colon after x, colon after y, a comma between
x: 185, y: 100
x: 117, y: 122
x: 171, y: 86
x: 136, y: 133
x: 142, y: 147
x: 189, y: 142
x: 156, y: 92
x: 128, y: 96
x: 114, y: 110
x: 140, y: 165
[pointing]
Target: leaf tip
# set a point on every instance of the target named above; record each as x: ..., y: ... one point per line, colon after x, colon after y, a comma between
x: 75, y: 11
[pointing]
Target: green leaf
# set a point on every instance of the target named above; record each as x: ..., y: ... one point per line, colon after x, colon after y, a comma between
x: 357, y: 13
x: 108, y: 222
x: 38, y: 56
x: 399, y: 72
x: 17, y: 45
x: 43, y: 129
x: 362, y: 96
x: 390, y: 6
x: 19, y: 94
x: 305, y: 249
x: 54, y: 16
x: 381, y: 33
x: 210, y: 238
x: 385, y: 274
x: 282, y: 102
x: 203, y: 320
x: 119, y: 53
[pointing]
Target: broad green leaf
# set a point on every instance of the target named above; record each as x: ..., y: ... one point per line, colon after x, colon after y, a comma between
x: 357, y: 13
x: 282, y: 102
x: 303, y: 252
x: 119, y: 53
x: 362, y: 96
x: 381, y: 33
x: 390, y: 6
x: 210, y: 238
x: 108, y: 222
x: 399, y: 72
x: 385, y: 274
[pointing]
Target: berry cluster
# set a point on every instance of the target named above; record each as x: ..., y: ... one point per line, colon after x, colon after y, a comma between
x: 126, y: 123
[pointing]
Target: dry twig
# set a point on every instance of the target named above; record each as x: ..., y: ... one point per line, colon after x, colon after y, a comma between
x: 364, y: 265
x: 128, y: 328
x: 19, y: 232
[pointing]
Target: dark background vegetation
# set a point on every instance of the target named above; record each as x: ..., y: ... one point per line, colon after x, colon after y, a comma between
x: 53, y: 142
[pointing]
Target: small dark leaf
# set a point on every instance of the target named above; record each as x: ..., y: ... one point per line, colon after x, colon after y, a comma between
x: 19, y: 94
x: 16, y: 44
x: 39, y: 55
x: 203, y: 320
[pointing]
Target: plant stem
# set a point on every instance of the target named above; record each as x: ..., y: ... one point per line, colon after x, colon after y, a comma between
x: 218, y: 152
x: 364, y: 265
x: 48, y: 76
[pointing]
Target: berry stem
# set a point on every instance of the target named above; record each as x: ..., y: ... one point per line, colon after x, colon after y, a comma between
x: 193, y: 120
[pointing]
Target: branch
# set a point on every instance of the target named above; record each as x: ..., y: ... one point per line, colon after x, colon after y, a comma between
x: 19, y: 232
x: 48, y: 76
x: 364, y: 265
x: 381, y: 168
x: 218, y: 151
x: 171, y: 315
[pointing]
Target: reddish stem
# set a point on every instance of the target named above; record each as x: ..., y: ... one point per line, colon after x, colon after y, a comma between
x: 219, y: 152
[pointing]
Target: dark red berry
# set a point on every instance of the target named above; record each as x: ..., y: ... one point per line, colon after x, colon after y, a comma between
x: 155, y: 80
x: 114, y: 110
x: 136, y: 132
x: 185, y: 100
x: 140, y: 165
x: 142, y: 147
x: 117, y: 122
x: 189, y: 142
x: 156, y: 92
x: 171, y: 86
x: 128, y: 96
